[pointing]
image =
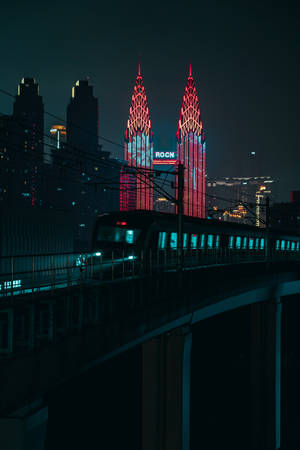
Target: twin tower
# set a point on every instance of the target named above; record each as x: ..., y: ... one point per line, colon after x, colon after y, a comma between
x: 137, y: 185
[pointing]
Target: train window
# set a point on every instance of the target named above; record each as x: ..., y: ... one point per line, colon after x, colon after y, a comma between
x: 298, y: 246
x: 277, y: 244
x: 256, y: 243
x: 245, y: 242
x: 238, y: 241
x: 230, y: 241
x: 202, y: 241
x: 288, y: 245
x: 194, y: 240
x: 185, y: 240
x: 293, y: 245
x: 217, y: 241
x: 173, y: 240
x: 117, y: 234
x: 251, y: 243
x: 162, y: 239
x: 282, y: 247
x: 262, y: 243
x: 210, y: 241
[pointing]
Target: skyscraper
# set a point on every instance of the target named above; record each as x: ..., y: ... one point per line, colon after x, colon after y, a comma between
x: 191, y: 151
x: 28, y: 117
x: 28, y: 113
x: 82, y: 119
x: 138, y: 152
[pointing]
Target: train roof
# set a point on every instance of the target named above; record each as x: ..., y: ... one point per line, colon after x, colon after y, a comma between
x: 149, y: 217
x: 142, y: 217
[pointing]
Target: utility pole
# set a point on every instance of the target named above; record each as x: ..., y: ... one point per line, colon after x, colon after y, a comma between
x: 267, y: 245
x: 180, y: 184
x: 267, y: 213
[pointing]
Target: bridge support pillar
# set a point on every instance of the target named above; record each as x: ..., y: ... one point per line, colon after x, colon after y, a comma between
x: 266, y: 375
x: 24, y: 430
x: 166, y: 391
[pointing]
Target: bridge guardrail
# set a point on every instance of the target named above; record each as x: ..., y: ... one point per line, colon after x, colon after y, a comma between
x: 28, y: 274
x: 25, y: 325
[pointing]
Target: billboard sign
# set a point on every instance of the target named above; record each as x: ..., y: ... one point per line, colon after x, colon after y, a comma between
x: 164, y: 157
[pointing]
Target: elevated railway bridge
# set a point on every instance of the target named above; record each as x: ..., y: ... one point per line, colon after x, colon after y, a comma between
x: 61, y: 320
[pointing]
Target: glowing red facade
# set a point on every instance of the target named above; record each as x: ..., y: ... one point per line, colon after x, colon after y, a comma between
x: 127, y: 190
x: 191, y: 151
x: 138, y: 152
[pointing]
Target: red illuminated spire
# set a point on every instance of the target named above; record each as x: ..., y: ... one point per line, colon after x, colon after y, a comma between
x: 190, y: 118
x: 138, y: 112
x: 137, y: 189
x: 191, y: 150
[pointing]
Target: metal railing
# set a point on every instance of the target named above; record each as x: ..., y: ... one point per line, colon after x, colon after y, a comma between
x: 24, y: 274
x: 32, y: 321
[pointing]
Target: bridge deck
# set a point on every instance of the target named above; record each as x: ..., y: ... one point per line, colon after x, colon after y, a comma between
x: 55, y: 335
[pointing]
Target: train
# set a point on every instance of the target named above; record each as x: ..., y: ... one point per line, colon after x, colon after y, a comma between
x: 37, y: 253
x: 140, y: 231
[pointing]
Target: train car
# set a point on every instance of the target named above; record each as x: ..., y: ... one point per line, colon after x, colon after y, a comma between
x: 140, y: 231
x: 144, y: 229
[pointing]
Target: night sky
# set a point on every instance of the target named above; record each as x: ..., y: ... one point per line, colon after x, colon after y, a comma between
x: 245, y: 59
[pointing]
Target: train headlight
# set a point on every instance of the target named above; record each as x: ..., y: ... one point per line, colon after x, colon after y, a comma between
x: 97, y: 254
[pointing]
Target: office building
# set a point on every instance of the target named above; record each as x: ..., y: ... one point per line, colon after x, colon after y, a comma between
x: 191, y: 149
x: 28, y: 113
x: 28, y: 118
x: 82, y: 120
x: 138, y: 152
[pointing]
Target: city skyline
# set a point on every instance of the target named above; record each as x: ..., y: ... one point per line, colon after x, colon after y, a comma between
x: 90, y: 129
x: 113, y: 148
x: 243, y: 60
x: 149, y: 225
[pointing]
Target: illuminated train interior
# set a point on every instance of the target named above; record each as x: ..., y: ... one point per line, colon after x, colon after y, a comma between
x: 158, y: 231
